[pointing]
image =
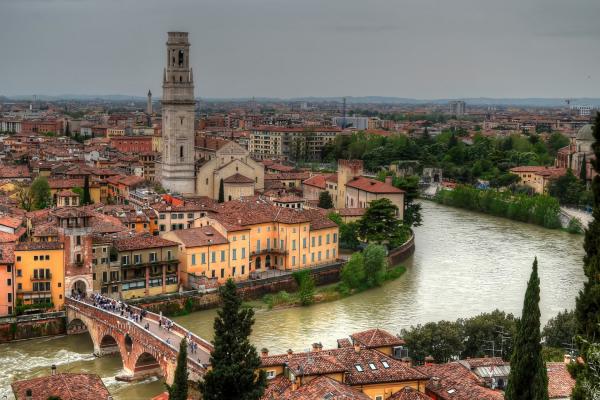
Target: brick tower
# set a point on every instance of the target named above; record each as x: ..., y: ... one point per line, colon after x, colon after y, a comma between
x: 177, y: 165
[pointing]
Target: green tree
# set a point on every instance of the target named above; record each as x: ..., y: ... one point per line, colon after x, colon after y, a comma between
x: 583, y: 171
x: 221, y: 191
x: 234, y: 360
x: 587, y: 308
x: 442, y: 340
x: 87, y: 198
x: 480, y: 331
x: 379, y: 223
x: 325, y: 200
x: 306, y: 287
x: 40, y: 192
x: 375, y: 264
x: 24, y: 197
x: 179, y: 389
x: 528, y: 379
x: 560, y: 330
x: 412, y: 210
x: 353, y: 273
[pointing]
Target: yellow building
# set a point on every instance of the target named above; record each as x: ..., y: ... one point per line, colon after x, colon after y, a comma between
x: 262, y: 236
x: 538, y: 177
x: 40, y: 274
x: 204, y: 252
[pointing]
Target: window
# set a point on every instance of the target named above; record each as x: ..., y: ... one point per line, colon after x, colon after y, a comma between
x: 213, y: 273
x: 327, y: 254
x: 47, y: 257
x: 385, y: 364
x: 162, y: 228
x: 8, y: 282
x: 304, y: 243
x: 379, y: 397
x: 294, y: 244
x: 233, y: 271
x: 153, y: 257
x: 203, y: 258
x: 169, y: 255
x: 312, y: 241
x: 243, y: 253
x: 104, y: 276
x: 258, y: 246
x: 35, y: 258
x: 293, y: 260
x: 372, y: 366
x: 328, y: 237
x: 193, y: 259
x: 233, y: 254
x: 320, y: 240
x: 319, y: 256
x: 222, y: 255
x: 312, y: 257
x: 222, y: 272
x: 78, y: 240
x: 124, y: 260
x: 270, y: 374
x: 359, y: 367
x: 213, y: 256
x: 243, y: 269
x: 268, y: 242
x: 335, y: 238
x: 137, y: 258
x: 190, y: 215
x: 18, y: 258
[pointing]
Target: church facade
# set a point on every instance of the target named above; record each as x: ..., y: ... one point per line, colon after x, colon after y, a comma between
x: 579, y: 153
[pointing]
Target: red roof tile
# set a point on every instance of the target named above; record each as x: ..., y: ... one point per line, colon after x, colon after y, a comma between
x: 238, y: 178
x: 65, y: 386
x: 195, y: 237
x: 372, y: 185
x: 560, y: 382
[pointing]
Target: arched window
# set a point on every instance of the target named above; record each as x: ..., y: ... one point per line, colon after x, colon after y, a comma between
x: 180, y: 78
x: 181, y: 56
x: 181, y: 151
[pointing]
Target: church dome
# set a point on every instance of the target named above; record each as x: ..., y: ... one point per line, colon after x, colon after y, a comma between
x: 585, y: 133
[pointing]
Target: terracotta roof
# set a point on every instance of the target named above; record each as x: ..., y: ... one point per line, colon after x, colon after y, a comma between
x: 196, y: 237
x: 281, y: 168
x: 26, y: 246
x: 446, y: 389
x: 276, y: 388
x: 317, y: 181
x: 344, y: 342
x: 324, y: 387
x: 307, y: 129
x: 197, y: 204
x: 55, y: 183
x: 560, y: 382
x: 238, y: 178
x: 373, y: 338
x: 453, y: 371
x: 284, y: 176
x: 7, y: 253
x: 371, y: 365
x: 352, y: 212
x: 142, y: 241
x: 483, y: 362
x: 14, y: 171
x: 289, y: 199
x: 372, y: 185
x: 11, y: 222
x: 66, y: 193
x: 540, y: 170
x: 408, y: 393
x: 65, y: 386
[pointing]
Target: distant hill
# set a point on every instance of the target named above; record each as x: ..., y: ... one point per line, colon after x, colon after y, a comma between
x: 475, y: 101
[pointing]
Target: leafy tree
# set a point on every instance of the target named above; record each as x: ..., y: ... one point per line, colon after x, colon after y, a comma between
x: 583, y: 172
x: 24, y: 197
x: 560, y: 330
x: 567, y: 189
x: 587, y: 309
x: 234, y: 360
x: 528, y: 379
x: 349, y: 236
x: 480, y: 331
x: 379, y: 223
x: 325, y: 200
x: 40, y: 192
x: 87, y: 198
x: 353, y: 273
x: 306, y: 287
x: 221, y: 191
x: 179, y: 389
x: 442, y: 340
x: 412, y: 210
x: 375, y: 264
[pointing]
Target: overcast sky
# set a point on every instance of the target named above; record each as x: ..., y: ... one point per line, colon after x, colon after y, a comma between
x: 289, y: 48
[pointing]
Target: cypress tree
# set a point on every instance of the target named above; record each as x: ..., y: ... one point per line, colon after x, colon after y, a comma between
x: 87, y: 199
x: 583, y: 172
x: 221, y: 191
x: 325, y: 200
x: 234, y: 360
x: 179, y: 389
x: 528, y: 379
x: 587, y: 308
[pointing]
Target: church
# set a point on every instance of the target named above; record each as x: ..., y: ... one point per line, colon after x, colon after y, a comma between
x: 184, y: 167
x: 579, y: 153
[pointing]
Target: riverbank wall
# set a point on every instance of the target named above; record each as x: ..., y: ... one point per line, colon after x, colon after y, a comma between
x: 32, y: 326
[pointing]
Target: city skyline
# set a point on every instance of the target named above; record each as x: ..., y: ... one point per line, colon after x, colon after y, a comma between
x: 411, y: 50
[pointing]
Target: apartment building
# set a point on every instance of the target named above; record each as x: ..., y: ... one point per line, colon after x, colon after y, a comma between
x: 295, y: 143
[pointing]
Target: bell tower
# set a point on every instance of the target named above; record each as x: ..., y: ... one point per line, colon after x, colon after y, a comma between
x: 178, y: 104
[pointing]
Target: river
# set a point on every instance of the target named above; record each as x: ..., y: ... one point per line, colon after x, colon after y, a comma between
x: 465, y: 263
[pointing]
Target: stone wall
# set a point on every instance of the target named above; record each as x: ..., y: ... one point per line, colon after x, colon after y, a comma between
x: 399, y: 254
x: 187, y: 302
x: 29, y: 327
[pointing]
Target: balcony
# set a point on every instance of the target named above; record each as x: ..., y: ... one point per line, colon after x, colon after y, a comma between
x: 269, y: 251
x: 46, y: 277
x: 40, y: 292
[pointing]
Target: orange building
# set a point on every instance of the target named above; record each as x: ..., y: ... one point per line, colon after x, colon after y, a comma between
x: 7, y: 286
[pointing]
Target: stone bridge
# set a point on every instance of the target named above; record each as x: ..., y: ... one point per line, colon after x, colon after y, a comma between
x: 144, y: 352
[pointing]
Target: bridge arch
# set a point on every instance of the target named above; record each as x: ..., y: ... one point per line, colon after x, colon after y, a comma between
x: 109, y: 345
x: 146, y: 364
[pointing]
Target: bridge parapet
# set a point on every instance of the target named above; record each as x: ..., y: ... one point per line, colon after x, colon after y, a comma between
x: 134, y: 341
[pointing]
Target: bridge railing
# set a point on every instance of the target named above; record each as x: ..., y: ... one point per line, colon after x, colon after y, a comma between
x: 78, y: 304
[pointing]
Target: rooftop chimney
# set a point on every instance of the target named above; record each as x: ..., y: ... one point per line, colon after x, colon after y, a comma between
x: 435, y: 382
x: 429, y: 360
x: 356, y: 346
x: 406, y: 361
x: 53, y: 368
x: 264, y: 352
x: 388, y: 179
x: 289, y: 354
x: 316, y: 347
